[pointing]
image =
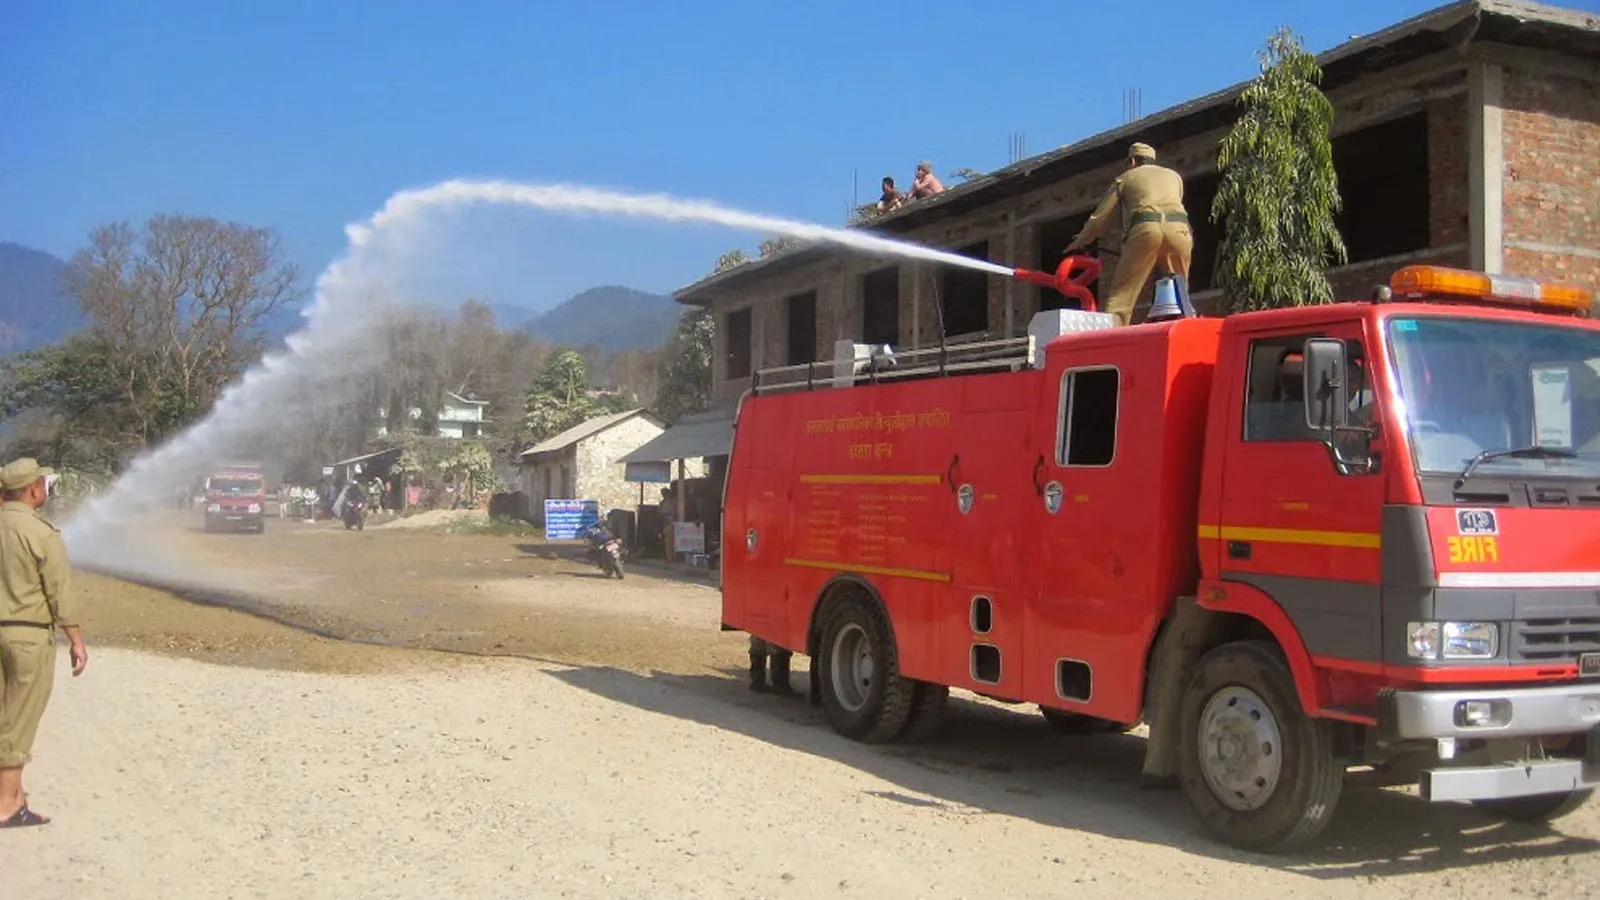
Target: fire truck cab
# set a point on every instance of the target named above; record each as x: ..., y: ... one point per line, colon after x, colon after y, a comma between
x: 1291, y: 542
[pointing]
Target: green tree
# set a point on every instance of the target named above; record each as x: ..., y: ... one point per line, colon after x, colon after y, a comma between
x: 559, y: 397
x: 1279, y: 194
x: 686, y: 382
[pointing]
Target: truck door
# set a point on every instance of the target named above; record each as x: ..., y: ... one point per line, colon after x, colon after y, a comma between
x: 983, y: 619
x: 1291, y: 524
x: 1082, y: 653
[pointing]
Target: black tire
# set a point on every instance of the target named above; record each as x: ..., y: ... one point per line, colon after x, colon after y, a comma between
x: 928, y: 709
x: 1537, y: 808
x: 886, y: 698
x: 1309, y: 777
x: 1078, y: 724
x: 616, y: 566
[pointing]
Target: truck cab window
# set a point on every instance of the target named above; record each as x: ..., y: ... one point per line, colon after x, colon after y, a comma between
x: 1274, y: 405
x: 1088, y: 420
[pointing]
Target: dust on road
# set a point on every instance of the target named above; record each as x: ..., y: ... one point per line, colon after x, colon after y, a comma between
x: 485, y: 594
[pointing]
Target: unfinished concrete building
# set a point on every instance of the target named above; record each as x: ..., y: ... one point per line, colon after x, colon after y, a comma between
x: 1466, y: 136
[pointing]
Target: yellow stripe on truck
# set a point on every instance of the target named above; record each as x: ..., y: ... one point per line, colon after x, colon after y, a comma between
x: 916, y: 574
x: 1361, y: 540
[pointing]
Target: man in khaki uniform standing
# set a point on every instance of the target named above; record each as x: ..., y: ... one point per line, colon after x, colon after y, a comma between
x: 1155, y: 228
x: 33, y: 603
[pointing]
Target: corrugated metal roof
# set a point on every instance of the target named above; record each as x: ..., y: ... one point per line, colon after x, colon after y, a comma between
x: 1513, y: 22
x: 705, y: 434
x: 582, y: 430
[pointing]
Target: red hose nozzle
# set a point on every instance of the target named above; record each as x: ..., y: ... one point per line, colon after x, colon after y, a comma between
x: 1071, y: 279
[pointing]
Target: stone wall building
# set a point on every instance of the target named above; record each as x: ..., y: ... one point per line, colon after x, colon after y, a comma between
x: 1466, y: 136
x: 584, y: 463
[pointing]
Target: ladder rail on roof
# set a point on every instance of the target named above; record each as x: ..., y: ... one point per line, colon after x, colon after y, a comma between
x: 996, y: 355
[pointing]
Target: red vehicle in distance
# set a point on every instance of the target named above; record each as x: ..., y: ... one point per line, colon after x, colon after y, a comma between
x: 236, y: 498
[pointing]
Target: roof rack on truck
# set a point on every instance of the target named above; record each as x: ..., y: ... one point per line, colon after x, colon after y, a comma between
x: 855, y: 364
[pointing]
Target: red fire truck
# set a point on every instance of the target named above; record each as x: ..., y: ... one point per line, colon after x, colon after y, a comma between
x: 1291, y: 542
x: 236, y: 498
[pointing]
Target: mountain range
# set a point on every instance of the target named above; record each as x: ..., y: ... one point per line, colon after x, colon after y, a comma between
x: 35, y: 309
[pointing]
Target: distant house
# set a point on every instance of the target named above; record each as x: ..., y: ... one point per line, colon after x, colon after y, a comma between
x: 459, y: 417
x: 583, y: 462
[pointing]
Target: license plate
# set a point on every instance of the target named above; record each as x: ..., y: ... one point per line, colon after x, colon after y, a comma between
x: 1588, y: 664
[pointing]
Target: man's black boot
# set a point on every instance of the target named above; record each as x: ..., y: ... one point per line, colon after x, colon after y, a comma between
x: 758, y: 673
x: 780, y: 676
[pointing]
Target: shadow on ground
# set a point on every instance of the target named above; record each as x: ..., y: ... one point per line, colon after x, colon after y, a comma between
x: 1013, y: 763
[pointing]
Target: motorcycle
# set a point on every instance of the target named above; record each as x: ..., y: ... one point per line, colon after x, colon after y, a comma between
x: 355, y: 513
x: 605, y: 550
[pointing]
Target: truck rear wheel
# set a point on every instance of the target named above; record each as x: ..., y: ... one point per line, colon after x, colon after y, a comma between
x: 864, y: 694
x: 1256, y: 769
x: 1537, y: 808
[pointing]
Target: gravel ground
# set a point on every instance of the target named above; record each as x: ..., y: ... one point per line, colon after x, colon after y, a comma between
x: 211, y: 753
x: 173, y: 778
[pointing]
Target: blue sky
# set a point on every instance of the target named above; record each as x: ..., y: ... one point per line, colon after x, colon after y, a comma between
x: 306, y: 115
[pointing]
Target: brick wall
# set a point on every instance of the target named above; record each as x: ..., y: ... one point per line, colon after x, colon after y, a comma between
x: 1551, y: 218
x: 1448, y: 188
x: 600, y: 476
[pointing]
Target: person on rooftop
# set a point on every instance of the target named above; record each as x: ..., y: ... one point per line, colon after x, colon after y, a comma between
x: 925, y: 184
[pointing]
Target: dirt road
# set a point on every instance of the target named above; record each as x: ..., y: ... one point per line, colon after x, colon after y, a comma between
x: 335, y: 769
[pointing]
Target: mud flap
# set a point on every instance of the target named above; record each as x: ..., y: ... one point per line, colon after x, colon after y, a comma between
x: 1188, y: 632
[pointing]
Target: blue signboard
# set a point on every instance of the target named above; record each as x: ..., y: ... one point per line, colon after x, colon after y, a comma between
x: 564, y: 520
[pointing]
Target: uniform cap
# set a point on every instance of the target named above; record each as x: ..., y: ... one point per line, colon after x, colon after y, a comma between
x: 19, y: 473
x: 1142, y: 151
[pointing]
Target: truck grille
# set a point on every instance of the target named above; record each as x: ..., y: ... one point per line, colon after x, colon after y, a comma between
x: 1557, y: 640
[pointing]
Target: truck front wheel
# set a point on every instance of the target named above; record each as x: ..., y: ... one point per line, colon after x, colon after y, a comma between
x: 864, y: 694
x: 1257, y: 770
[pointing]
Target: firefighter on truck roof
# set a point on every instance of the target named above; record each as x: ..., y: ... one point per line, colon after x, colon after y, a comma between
x: 1155, y: 228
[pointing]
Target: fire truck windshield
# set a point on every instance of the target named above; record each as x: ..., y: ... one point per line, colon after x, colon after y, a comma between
x: 1470, y: 387
x: 234, y: 486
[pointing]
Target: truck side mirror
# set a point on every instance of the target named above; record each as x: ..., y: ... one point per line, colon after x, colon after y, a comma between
x: 1327, y: 389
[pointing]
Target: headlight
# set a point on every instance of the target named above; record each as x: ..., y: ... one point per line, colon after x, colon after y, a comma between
x: 255, y: 508
x: 1471, y: 640
x: 215, y: 508
x: 1452, y: 640
x: 1422, y: 640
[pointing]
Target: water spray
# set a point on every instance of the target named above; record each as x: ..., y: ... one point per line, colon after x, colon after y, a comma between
x: 333, y: 348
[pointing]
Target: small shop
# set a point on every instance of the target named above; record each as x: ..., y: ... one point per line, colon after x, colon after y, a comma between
x: 684, y: 524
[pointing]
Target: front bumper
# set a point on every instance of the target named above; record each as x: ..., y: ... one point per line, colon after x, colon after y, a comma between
x: 1515, y: 712
x: 1565, y: 709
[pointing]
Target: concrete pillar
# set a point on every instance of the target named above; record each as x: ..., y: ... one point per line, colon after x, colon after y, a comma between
x: 1485, y: 165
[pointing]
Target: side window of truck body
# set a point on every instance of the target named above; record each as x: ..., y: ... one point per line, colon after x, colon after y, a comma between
x: 1086, y: 430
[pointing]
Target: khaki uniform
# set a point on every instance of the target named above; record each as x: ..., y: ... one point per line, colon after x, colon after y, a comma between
x: 34, y: 601
x: 1155, y: 231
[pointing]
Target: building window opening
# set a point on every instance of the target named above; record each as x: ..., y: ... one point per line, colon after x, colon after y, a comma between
x: 1054, y: 236
x: 1383, y: 181
x: 802, y: 314
x: 964, y: 295
x: 1198, y: 195
x: 738, y: 350
x: 880, y: 307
